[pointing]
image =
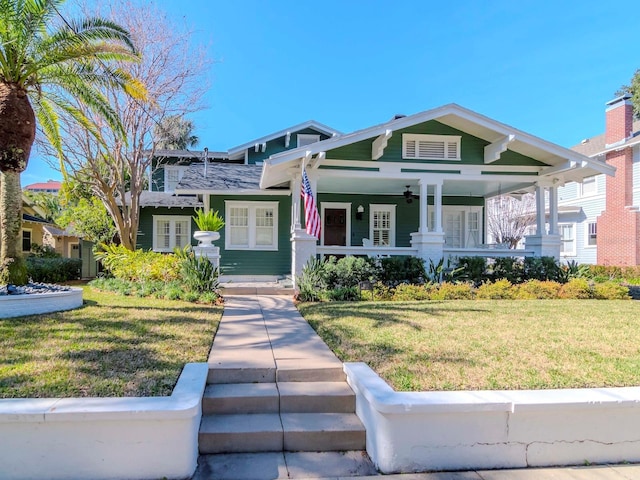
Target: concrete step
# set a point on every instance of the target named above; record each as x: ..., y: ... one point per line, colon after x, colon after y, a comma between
x: 240, y: 398
x: 228, y: 290
x: 316, y: 397
x: 306, y: 371
x: 315, y: 432
x: 241, y: 375
x: 240, y: 433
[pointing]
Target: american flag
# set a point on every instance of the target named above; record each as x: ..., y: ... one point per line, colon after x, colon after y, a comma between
x: 311, y: 217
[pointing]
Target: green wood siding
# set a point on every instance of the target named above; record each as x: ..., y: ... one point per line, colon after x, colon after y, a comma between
x: 471, y: 148
x: 257, y: 262
x: 145, y: 229
x: 277, y: 145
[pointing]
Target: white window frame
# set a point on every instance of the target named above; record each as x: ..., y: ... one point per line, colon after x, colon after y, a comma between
x: 465, y: 211
x: 593, y: 180
x: 172, y: 229
x: 30, y: 230
x: 251, y: 206
x: 572, y: 252
x: 173, y: 168
x: 337, y: 205
x: 392, y: 218
x: 587, y: 233
x: 449, y: 141
x: 304, y: 139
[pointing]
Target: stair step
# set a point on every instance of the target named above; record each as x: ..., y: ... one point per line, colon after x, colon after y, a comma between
x: 241, y: 375
x: 297, y: 371
x: 316, y: 397
x: 312, y: 432
x: 240, y: 433
x: 240, y: 398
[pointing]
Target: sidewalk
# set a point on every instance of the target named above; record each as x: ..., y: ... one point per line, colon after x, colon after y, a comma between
x: 267, y: 334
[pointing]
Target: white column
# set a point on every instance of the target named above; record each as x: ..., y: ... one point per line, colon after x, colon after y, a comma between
x: 437, y: 202
x: 540, y: 211
x: 553, y: 210
x: 296, y: 183
x: 424, y: 228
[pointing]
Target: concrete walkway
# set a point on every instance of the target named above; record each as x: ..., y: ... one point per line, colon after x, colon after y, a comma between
x: 266, y: 334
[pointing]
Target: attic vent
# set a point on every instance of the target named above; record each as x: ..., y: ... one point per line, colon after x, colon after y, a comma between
x: 398, y: 116
x: 431, y: 147
x: 586, y: 140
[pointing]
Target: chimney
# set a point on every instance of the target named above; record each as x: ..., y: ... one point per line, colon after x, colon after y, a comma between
x: 619, y: 120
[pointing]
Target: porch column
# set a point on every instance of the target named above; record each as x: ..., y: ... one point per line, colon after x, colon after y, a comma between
x: 296, y: 184
x: 553, y: 210
x: 437, y: 203
x: 423, y: 207
x: 540, y: 211
x: 303, y: 245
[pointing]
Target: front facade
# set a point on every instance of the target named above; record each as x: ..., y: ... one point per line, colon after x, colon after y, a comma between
x: 600, y: 218
x: 415, y: 185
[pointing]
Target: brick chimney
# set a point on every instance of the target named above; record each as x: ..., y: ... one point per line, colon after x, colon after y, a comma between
x: 619, y: 225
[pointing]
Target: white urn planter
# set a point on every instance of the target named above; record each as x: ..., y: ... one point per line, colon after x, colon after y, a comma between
x: 205, y: 237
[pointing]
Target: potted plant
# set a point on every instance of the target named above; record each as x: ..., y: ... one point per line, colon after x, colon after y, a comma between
x: 208, y: 223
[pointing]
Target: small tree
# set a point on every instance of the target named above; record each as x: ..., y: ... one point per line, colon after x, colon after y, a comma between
x: 634, y: 90
x: 508, y: 218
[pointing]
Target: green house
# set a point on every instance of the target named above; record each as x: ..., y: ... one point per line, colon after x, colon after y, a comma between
x: 414, y: 185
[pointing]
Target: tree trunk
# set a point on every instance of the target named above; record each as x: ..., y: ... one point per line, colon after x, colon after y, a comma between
x: 17, y: 133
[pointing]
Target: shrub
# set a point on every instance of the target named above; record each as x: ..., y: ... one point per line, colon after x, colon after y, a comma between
x: 471, y: 269
x: 53, y: 269
x: 393, y: 271
x: 610, y: 291
x: 576, y: 288
x: 347, y: 271
x: 501, y: 289
x: 138, y: 265
x: 198, y: 274
x: 311, y: 283
x: 341, y: 294
x: 509, y: 268
x: 382, y: 291
x: 542, y: 268
x: 452, y: 291
x: 536, y: 289
x: 408, y: 292
x: 209, y: 221
x: 44, y: 251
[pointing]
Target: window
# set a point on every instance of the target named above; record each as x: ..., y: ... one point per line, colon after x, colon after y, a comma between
x: 589, y: 186
x: 567, y: 239
x: 172, y: 176
x: 251, y: 225
x: 592, y: 234
x: 26, y: 240
x: 382, y: 225
x: 473, y: 236
x: 170, y: 231
x: 306, y: 139
x: 431, y: 147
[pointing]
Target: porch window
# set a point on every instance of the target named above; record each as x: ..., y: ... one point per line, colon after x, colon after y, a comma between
x: 592, y: 234
x: 431, y: 147
x: 172, y: 176
x: 26, y: 240
x: 251, y: 225
x: 170, y: 232
x: 567, y: 239
x: 473, y: 237
x: 307, y: 139
x: 382, y: 225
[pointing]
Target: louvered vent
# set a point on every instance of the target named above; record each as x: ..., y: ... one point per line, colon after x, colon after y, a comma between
x: 431, y: 147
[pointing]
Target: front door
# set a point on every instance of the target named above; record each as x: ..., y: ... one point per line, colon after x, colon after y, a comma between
x: 335, y: 226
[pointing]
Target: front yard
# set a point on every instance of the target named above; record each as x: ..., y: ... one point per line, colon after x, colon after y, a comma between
x: 485, y: 344
x: 114, y: 346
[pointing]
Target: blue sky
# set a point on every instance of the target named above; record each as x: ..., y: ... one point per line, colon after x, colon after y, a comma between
x: 545, y: 67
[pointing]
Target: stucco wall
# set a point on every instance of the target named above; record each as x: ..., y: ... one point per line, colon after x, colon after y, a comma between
x: 418, y: 431
x: 104, y: 438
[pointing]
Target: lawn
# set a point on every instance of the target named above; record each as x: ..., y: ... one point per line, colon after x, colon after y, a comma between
x: 114, y: 346
x: 479, y: 345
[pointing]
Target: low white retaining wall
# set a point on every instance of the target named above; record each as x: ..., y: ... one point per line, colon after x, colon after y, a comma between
x: 37, y: 303
x: 104, y: 438
x: 420, y: 431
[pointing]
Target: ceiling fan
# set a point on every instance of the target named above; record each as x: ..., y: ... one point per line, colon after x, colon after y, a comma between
x: 409, y: 196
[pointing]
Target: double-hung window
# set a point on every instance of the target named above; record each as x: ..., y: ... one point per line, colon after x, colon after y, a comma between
x: 591, y: 234
x: 170, y: 231
x: 172, y: 176
x: 567, y: 239
x: 383, y: 225
x: 251, y: 225
x: 26, y: 240
x: 589, y: 186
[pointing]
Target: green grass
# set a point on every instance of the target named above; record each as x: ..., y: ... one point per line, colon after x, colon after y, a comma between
x: 114, y: 346
x: 478, y: 345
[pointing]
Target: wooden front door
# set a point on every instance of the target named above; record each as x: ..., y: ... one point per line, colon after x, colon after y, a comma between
x: 335, y: 226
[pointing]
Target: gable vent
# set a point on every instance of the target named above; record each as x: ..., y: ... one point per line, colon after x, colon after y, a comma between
x: 431, y: 147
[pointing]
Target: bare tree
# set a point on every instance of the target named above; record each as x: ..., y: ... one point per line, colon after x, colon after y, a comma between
x: 508, y: 218
x: 173, y: 71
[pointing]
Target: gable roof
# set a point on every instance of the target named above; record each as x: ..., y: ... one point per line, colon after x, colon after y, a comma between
x: 281, y: 133
x: 595, y: 146
x: 220, y: 177
x: 454, y: 116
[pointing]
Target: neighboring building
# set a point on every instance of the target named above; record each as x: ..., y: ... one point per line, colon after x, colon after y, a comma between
x: 601, y: 219
x: 415, y: 185
x: 50, y: 186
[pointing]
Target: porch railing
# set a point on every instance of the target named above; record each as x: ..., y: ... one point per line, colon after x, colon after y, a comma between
x: 487, y: 252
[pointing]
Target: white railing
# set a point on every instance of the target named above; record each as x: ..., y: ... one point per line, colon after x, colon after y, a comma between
x: 368, y: 251
x: 488, y: 251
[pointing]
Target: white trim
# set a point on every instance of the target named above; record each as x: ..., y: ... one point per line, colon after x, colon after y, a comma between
x: 378, y: 207
x: 172, y: 219
x: 446, y: 140
x: 314, y: 137
x: 344, y: 205
x: 234, y: 192
x: 574, y: 241
x: 251, y: 207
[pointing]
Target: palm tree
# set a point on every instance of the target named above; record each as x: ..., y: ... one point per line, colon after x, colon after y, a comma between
x: 175, y: 133
x: 44, y: 62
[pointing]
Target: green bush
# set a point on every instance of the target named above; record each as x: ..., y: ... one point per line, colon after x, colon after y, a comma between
x: 408, y: 292
x: 138, y: 265
x: 197, y: 274
x: 576, y: 288
x: 537, y: 290
x: 471, y: 269
x: 382, y: 291
x: 311, y: 283
x: 53, y: 269
x: 509, y: 268
x: 501, y: 289
x: 452, y: 291
x: 610, y: 291
x: 347, y: 272
x: 342, y: 294
x: 395, y: 270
